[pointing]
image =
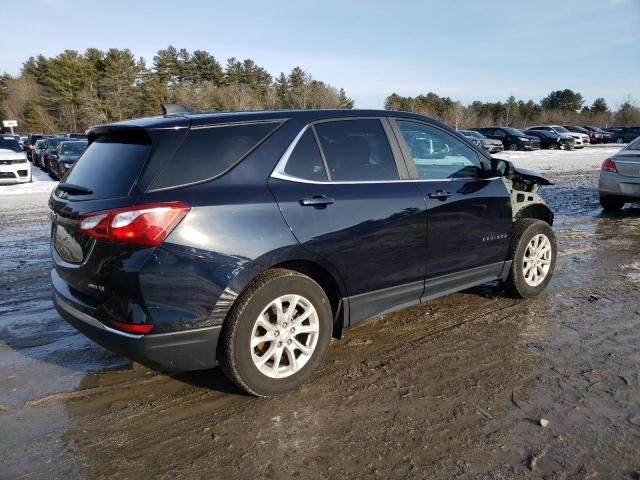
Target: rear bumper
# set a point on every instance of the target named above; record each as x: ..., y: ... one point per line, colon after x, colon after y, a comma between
x: 621, y: 186
x: 184, y: 350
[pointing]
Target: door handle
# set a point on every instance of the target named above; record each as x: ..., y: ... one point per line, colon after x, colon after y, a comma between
x: 440, y: 194
x: 317, y: 201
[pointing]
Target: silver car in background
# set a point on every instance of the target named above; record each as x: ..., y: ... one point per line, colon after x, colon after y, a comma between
x: 489, y: 144
x: 620, y: 178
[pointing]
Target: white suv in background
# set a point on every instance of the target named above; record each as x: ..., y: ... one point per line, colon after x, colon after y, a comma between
x: 14, y: 167
x: 582, y: 139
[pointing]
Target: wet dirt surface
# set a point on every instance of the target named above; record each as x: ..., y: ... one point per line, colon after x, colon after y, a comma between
x: 454, y: 388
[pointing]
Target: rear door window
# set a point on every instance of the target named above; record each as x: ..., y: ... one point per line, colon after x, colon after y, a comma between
x: 208, y: 152
x: 306, y: 161
x: 109, y: 167
x: 357, y: 150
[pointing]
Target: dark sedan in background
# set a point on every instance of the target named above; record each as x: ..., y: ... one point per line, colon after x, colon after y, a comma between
x: 551, y: 140
x: 30, y: 144
x: 489, y: 144
x: 511, y: 138
x: 37, y: 151
x: 625, y: 134
x: 64, y: 156
x: 49, y: 148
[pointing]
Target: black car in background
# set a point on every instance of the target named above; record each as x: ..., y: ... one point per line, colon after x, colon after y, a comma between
x: 511, y: 138
x: 49, y: 148
x: 550, y: 140
x: 37, y: 151
x: 64, y: 156
x: 626, y: 134
x: 31, y: 143
x: 248, y: 239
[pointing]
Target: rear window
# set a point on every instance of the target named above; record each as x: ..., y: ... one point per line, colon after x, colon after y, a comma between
x: 52, y: 143
x: 109, y: 167
x: 209, y: 152
x: 72, y: 148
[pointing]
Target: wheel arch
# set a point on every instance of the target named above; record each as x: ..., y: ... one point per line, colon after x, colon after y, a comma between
x: 537, y: 211
x: 329, y: 284
x: 308, y: 265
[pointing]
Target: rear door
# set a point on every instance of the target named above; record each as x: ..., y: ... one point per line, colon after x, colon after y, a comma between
x: 468, y: 212
x: 346, y: 196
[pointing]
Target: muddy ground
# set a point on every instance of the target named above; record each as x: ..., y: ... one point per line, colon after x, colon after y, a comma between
x: 451, y: 389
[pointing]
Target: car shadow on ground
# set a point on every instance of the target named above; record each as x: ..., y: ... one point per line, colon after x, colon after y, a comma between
x: 211, y: 379
x: 630, y: 211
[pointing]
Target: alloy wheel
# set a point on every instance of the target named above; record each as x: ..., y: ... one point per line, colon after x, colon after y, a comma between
x: 537, y: 260
x: 284, y: 336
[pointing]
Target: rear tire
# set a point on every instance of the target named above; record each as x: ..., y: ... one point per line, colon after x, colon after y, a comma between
x: 620, y: 140
x: 513, y: 147
x: 533, y: 253
x: 611, y: 204
x: 553, y: 146
x: 295, y: 341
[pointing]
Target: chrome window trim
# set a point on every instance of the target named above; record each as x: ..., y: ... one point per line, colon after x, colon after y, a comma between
x: 279, y: 170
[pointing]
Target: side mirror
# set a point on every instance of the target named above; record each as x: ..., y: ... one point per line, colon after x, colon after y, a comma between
x: 501, y: 168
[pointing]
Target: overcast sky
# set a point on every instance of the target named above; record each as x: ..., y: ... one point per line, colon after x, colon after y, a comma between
x: 463, y: 49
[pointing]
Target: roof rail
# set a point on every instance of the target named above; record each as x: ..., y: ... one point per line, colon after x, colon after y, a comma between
x: 174, y: 109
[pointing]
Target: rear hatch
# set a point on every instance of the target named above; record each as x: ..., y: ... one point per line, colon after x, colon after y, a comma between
x: 109, y: 175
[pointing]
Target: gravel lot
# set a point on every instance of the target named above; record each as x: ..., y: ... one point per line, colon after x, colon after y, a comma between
x: 455, y: 388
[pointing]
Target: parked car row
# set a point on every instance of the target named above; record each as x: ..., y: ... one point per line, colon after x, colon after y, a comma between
x: 567, y: 137
x: 55, y: 154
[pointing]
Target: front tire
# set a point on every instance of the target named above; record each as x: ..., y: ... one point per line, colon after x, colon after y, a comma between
x: 277, y: 333
x: 533, y: 253
x: 611, y: 204
x: 619, y: 140
x: 513, y: 147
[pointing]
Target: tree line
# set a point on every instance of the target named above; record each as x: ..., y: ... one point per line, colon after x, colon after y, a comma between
x: 564, y: 107
x: 72, y: 91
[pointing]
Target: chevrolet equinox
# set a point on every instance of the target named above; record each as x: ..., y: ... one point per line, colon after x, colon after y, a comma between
x: 249, y: 239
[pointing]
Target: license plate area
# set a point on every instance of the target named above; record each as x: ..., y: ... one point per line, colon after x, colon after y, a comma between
x: 69, y: 244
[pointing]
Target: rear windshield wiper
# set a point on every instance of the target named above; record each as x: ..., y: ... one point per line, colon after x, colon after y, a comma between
x: 74, y: 189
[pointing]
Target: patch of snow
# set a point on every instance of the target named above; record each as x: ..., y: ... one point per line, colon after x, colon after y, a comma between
x: 41, y: 184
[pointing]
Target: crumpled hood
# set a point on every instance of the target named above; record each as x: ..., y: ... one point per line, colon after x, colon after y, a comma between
x: 531, y: 175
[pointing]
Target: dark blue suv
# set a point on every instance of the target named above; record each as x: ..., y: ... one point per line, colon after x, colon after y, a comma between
x: 250, y: 239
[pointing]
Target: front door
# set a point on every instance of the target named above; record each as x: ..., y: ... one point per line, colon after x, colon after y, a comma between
x: 468, y: 212
x: 342, y: 196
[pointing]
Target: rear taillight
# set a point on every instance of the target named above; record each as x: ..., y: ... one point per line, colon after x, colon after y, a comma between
x: 609, y: 165
x: 147, y: 224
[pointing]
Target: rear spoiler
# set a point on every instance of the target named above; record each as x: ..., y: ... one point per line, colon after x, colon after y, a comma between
x: 124, y: 133
x: 174, y: 109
